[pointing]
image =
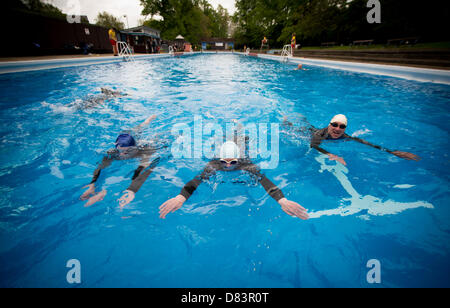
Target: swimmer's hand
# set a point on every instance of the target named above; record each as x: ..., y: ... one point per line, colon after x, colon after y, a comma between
x: 406, y: 155
x: 126, y: 198
x: 337, y: 158
x: 88, y: 192
x: 293, y: 209
x: 171, y: 206
x: 96, y: 198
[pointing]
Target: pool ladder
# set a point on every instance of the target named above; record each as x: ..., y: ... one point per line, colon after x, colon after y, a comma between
x: 125, y: 51
x: 286, y: 53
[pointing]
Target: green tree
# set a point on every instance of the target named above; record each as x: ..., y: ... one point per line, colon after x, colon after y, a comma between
x: 341, y: 21
x: 107, y: 20
x: 37, y: 7
x: 193, y: 19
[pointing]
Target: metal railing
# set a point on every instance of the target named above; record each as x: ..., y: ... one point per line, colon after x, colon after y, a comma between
x: 286, y: 52
x: 125, y: 51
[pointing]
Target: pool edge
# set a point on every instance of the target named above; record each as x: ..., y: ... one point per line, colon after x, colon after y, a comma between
x: 35, y: 65
x: 403, y: 72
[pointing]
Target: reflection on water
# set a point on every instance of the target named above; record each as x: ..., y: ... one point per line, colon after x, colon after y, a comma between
x: 357, y: 203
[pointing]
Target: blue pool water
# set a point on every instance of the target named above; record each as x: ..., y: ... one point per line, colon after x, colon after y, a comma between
x: 233, y: 234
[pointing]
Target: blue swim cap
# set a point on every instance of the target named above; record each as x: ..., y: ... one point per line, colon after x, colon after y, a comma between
x: 125, y: 140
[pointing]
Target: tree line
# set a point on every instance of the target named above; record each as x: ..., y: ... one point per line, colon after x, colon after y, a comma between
x: 340, y: 21
x: 313, y: 21
x: 193, y: 19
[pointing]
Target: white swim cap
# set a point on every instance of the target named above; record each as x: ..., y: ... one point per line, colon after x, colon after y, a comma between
x: 229, y: 150
x: 339, y: 118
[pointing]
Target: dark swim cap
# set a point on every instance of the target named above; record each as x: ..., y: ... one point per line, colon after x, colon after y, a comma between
x: 125, y: 140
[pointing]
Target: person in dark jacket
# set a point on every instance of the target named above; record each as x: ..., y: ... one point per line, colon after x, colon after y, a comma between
x: 336, y: 131
x: 125, y: 148
x: 230, y: 161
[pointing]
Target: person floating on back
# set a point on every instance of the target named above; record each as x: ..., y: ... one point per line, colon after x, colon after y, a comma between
x: 125, y: 148
x: 336, y: 131
x: 230, y: 161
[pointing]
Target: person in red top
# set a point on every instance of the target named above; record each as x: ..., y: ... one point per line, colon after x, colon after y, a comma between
x: 293, y: 42
x: 113, y: 40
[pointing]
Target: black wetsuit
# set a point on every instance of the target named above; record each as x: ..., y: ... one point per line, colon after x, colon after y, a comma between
x: 140, y: 175
x: 96, y: 100
x: 243, y: 164
x: 318, y: 135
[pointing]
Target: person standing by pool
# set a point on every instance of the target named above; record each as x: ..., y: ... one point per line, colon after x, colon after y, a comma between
x: 293, y: 42
x: 125, y: 148
x: 153, y: 45
x: 264, y: 42
x: 113, y: 41
x: 336, y: 131
x: 230, y: 161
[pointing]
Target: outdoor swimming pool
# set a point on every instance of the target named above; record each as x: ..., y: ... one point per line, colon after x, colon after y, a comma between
x: 233, y: 234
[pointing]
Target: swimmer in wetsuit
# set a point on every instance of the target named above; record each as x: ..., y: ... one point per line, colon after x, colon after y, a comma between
x: 300, y: 68
x: 126, y: 148
x: 336, y: 131
x: 229, y: 161
x: 94, y: 101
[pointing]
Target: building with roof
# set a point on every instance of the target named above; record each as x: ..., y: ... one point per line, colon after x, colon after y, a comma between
x: 31, y: 33
x: 215, y: 43
x: 142, y: 39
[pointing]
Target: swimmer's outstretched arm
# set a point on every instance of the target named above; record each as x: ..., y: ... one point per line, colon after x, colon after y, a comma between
x: 147, y: 121
x: 289, y: 207
x: 91, y: 186
x: 330, y: 156
x: 316, y: 141
x: 139, y: 177
x: 405, y: 155
x: 174, y: 204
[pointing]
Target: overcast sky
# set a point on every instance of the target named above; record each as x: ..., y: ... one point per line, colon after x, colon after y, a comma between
x: 118, y: 8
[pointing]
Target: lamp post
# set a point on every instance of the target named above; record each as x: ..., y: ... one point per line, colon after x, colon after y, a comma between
x: 127, y: 21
